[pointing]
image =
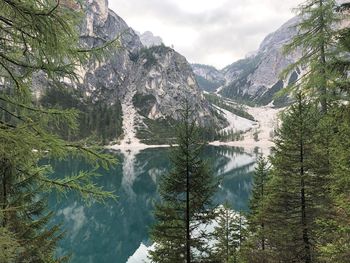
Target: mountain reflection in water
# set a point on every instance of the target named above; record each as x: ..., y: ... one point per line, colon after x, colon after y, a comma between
x: 112, y: 232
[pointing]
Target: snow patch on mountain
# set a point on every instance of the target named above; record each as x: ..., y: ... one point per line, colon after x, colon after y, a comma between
x: 236, y: 123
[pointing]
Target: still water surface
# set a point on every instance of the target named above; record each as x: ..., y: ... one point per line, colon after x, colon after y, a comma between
x: 112, y: 232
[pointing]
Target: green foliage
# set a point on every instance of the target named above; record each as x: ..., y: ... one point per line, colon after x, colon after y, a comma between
x: 100, y: 120
x: 254, y: 249
x: 186, y: 195
x: 230, y: 135
x: 237, y: 110
x: 298, y: 193
x: 161, y: 131
x: 244, y: 67
x: 160, y: 49
x: 324, y: 48
x: 228, y: 235
x: 24, y: 215
x: 306, y: 209
x: 317, y: 41
x: 336, y: 229
x: 148, y: 56
x: 207, y: 85
x: 9, y: 247
x: 38, y: 37
x: 336, y: 248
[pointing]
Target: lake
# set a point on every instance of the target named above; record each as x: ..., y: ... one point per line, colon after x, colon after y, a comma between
x: 112, y: 232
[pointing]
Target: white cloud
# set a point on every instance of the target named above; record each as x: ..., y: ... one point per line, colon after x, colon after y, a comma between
x: 216, y: 32
x: 74, y: 215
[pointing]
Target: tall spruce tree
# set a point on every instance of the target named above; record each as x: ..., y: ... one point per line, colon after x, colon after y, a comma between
x: 336, y: 228
x: 37, y: 37
x: 336, y: 247
x: 254, y: 249
x: 298, y: 191
x: 228, y: 235
x: 186, y: 195
x: 324, y: 55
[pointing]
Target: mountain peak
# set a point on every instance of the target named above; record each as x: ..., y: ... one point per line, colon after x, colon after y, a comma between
x: 148, y: 39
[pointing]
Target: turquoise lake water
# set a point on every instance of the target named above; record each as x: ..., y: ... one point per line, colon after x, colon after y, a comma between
x: 112, y: 232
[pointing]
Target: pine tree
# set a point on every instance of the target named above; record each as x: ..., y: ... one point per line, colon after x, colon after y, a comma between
x: 9, y: 247
x: 336, y: 228
x: 341, y: 64
x: 336, y: 247
x: 24, y: 215
x: 228, y: 235
x: 255, y: 246
x: 37, y: 37
x: 298, y: 191
x: 324, y: 47
x: 186, y: 195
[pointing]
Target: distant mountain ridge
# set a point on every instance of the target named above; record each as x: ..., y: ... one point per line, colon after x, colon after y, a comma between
x: 256, y: 78
x: 208, y: 77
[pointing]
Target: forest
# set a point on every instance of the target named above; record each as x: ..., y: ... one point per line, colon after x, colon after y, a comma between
x: 299, y: 210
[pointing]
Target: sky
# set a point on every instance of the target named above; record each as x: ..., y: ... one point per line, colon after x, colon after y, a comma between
x: 212, y: 32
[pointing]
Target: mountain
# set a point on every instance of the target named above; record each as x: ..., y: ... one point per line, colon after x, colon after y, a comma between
x: 149, y: 40
x: 137, y: 88
x: 208, y: 77
x: 256, y: 78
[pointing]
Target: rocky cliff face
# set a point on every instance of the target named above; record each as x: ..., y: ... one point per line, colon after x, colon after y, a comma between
x: 146, y: 83
x: 107, y: 79
x: 167, y: 76
x: 149, y: 40
x: 208, y: 77
x: 257, y: 78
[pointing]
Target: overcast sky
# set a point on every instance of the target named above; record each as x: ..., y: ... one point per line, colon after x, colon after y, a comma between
x: 214, y: 32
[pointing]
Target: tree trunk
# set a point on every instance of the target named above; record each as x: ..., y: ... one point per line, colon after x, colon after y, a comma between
x: 227, y: 236
x: 323, y: 87
x: 306, y: 241
x: 4, y: 191
x: 188, y: 234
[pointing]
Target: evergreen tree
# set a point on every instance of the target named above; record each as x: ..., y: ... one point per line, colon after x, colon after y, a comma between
x: 324, y: 49
x: 37, y: 37
x: 341, y: 64
x: 336, y: 247
x: 9, y: 247
x: 316, y: 41
x: 336, y: 227
x: 24, y: 215
x: 186, y: 195
x: 228, y: 235
x: 255, y: 247
x: 298, y: 191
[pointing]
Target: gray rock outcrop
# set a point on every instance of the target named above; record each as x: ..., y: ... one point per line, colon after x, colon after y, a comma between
x: 208, y: 77
x: 158, y: 72
x: 149, y: 40
x: 257, y: 77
